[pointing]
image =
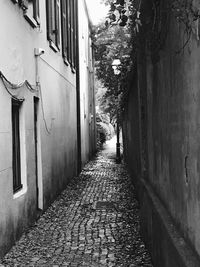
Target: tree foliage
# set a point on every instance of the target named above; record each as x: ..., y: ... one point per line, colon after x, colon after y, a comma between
x: 118, y: 38
x: 112, y: 43
x: 115, y: 39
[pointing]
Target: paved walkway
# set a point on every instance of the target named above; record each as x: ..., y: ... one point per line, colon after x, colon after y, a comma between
x: 94, y: 222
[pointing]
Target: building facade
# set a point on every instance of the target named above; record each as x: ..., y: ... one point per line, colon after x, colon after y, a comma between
x: 41, y: 107
x: 87, y: 97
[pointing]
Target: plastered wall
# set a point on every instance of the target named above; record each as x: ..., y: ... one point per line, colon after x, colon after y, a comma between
x: 57, y: 126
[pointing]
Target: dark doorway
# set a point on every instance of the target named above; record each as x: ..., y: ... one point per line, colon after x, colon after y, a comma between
x: 36, y: 108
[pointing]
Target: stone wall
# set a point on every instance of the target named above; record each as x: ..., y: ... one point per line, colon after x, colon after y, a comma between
x: 168, y: 83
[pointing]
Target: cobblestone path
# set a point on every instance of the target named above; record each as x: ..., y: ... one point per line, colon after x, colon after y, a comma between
x: 94, y: 222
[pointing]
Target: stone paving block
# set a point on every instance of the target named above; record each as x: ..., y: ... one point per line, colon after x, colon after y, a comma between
x: 94, y: 222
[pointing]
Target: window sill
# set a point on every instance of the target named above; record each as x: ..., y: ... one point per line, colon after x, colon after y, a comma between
x: 31, y: 20
x: 73, y: 69
x: 19, y: 188
x: 65, y: 61
x: 19, y: 193
x: 53, y: 46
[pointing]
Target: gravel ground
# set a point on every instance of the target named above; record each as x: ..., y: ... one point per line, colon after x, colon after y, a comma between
x: 94, y: 222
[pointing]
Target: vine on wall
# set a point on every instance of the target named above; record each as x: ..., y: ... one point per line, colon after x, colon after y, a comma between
x: 186, y: 13
x: 126, y: 13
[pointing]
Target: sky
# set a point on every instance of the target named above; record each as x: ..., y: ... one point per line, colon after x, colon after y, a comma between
x: 96, y: 10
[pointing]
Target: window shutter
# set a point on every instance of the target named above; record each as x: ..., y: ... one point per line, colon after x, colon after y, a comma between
x: 69, y: 31
x: 75, y: 32
x: 64, y: 27
x: 36, y: 10
x: 57, y: 22
x: 72, y: 32
x: 48, y: 14
x: 53, y: 21
x: 51, y: 25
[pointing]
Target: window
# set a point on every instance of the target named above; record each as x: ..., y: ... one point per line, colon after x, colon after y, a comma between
x: 17, y: 185
x: 73, y: 33
x: 69, y: 13
x: 64, y: 15
x: 36, y: 10
x: 31, y: 11
x: 53, y: 23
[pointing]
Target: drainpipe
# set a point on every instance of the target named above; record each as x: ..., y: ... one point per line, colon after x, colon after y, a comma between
x: 39, y: 179
x: 38, y: 52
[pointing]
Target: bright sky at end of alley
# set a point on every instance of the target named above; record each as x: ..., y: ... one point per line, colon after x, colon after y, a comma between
x: 97, y: 11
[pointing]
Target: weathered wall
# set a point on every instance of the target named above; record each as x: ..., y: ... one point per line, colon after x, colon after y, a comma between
x: 57, y: 149
x: 87, y: 107
x: 173, y: 136
x: 131, y: 131
x: 60, y: 141
x: 171, y: 125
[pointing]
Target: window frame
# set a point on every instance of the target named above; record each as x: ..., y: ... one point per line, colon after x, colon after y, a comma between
x: 75, y: 32
x: 69, y: 38
x: 34, y: 17
x: 53, y: 23
x: 16, y: 146
x: 36, y: 11
x: 64, y: 31
x: 61, y: 26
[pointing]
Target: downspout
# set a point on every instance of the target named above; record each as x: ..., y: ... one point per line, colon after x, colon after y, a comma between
x: 39, y: 177
x: 79, y: 160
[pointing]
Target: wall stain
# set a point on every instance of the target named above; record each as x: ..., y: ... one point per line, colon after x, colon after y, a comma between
x: 186, y: 169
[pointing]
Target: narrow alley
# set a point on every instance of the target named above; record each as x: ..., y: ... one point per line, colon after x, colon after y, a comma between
x: 94, y: 222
